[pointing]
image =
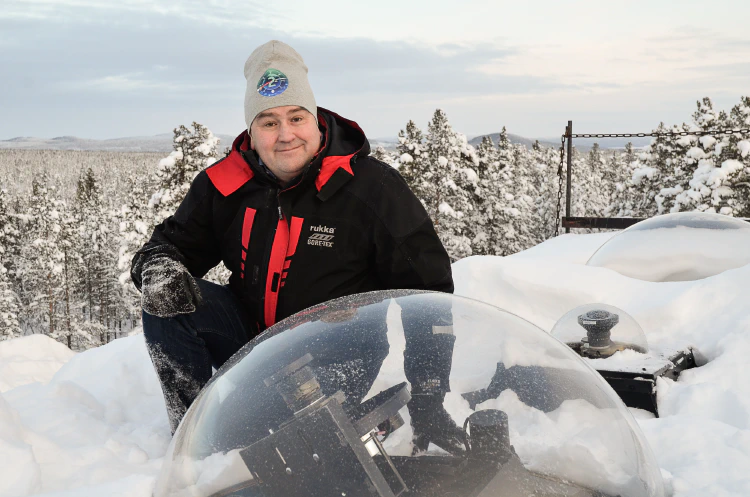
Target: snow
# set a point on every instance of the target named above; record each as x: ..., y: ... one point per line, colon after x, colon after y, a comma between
x: 94, y: 423
x: 35, y: 358
x: 696, y: 153
x: 172, y: 158
x: 707, y: 141
x: 644, y: 172
x: 648, y: 255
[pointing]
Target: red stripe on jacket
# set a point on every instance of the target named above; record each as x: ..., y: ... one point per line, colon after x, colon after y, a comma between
x: 284, y: 246
x: 247, y: 227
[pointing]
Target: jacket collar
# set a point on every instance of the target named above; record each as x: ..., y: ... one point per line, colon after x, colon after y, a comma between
x: 330, y: 168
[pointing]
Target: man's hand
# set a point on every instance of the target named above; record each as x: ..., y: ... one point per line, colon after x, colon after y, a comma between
x: 168, y: 288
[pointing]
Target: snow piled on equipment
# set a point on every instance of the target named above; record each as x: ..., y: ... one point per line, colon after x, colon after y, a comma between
x: 94, y: 423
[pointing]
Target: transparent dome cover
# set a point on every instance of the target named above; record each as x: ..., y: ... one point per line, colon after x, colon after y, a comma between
x: 600, y: 330
x: 382, y: 392
x: 684, y: 246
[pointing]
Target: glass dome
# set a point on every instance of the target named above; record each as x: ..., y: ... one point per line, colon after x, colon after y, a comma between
x: 684, y: 246
x: 599, y: 330
x: 377, y: 393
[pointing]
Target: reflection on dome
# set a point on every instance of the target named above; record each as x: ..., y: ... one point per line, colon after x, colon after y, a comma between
x: 683, y: 246
x: 599, y: 330
x: 384, y: 392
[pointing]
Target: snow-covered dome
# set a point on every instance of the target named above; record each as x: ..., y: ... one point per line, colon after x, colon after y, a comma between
x: 371, y: 394
x: 684, y: 246
x: 599, y: 330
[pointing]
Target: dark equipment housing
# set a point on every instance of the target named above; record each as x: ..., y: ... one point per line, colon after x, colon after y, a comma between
x: 322, y: 437
x: 635, y: 384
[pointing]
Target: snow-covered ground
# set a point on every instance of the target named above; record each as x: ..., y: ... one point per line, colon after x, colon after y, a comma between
x: 94, y: 423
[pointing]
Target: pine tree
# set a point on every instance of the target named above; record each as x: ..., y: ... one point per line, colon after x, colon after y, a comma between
x: 9, y: 253
x: 9, y: 308
x: 92, y: 234
x: 9, y: 236
x: 546, y: 162
x: 516, y: 194
x: 709, y: 188
x: 450, y: 171
x: 599, y: 184
x: 412, y: 162
x: 194, y: 150
x: 648, y: 175
x: 135, y: 225
x: 382, y: 155
x: 487, y: 205
x: 739, y: 145
x: 71, y: 328
x: 41, y: 290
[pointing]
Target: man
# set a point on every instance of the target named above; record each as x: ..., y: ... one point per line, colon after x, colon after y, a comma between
x: 297, y: 211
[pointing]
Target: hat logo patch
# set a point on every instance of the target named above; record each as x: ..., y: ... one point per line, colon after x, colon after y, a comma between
x: 272, y: 83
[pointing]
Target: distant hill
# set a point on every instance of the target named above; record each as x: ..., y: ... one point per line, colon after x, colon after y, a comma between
x: 582, y: 144
x: 163, y: 143
x: 156, y: 143
x: 528, y: 142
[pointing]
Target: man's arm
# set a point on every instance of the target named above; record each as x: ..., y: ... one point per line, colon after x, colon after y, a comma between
x: 409, y: 252
x: 187, y: 237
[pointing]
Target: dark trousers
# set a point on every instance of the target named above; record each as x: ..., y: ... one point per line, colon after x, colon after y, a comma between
x: 186, y: 347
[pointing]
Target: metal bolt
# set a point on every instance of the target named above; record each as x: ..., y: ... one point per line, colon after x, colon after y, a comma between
x: 289, y: 471
x: 316, y: 458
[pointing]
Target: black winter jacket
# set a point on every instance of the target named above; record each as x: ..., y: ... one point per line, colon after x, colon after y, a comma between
x: 349, y: 225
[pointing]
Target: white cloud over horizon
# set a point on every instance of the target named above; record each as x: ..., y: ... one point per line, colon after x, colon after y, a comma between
x: 99, y: 69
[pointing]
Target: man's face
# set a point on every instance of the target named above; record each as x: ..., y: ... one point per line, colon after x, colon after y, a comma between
x: 286, y: 139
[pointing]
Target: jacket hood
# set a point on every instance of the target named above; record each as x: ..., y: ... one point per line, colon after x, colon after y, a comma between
x: 344, y: 143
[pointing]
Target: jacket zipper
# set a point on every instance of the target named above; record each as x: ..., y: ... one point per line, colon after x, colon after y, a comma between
x: 264, y: 268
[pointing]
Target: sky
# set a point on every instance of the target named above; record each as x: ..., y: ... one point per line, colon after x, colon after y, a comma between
x: 102, y: 69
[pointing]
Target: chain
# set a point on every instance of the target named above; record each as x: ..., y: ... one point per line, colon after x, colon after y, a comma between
x: 668, y: 133
x: 560, y: 184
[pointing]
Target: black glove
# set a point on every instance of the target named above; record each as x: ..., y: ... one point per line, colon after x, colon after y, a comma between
x: 432, y: 423
x: 168, y: 289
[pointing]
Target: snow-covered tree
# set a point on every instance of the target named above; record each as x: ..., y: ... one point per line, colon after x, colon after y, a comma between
x: 716, y: 167
x: 9, y: 252
x: 597, y: 182
x: 41, y: 282
x: 412, y: 162
x: 9, y: 309
x: 70, y: 328
x: 135, y: 223
x: 486, y: 202
x: 194, y: 150
x: 546, y: 186
x: 383, y: 155
x: 451, y: 163
x: 92, y: 231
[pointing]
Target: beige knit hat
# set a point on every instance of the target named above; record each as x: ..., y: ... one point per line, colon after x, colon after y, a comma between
x: 276, y: 76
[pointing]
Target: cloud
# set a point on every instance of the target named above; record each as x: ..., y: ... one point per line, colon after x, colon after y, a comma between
x: 246, y: 13
x: 134, y: 83
x: 64, y: 61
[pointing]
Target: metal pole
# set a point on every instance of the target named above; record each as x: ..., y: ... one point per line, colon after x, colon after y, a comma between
x: 570, y: 167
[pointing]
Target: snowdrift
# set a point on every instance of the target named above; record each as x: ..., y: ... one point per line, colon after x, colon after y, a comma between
x: 94, y: 423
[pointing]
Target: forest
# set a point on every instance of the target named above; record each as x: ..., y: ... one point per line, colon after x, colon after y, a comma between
x: 70, y: 221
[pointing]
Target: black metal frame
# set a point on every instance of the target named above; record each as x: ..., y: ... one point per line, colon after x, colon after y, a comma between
x: 612, y: 223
